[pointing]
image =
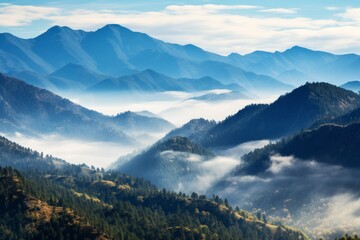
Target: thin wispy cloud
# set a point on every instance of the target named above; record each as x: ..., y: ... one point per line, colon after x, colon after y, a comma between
x: 219, y: 28
x: 331, y: 8
x: 208, y: 8
x: 280, y: 10
x: 16, y: 15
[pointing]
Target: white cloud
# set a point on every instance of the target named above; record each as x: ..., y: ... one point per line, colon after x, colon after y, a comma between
x: 280, y: 10
x: 213, y: 27
x: 352, y: 14
x: 207, y: 8
x: 16, y: 15
x: 331, y: 8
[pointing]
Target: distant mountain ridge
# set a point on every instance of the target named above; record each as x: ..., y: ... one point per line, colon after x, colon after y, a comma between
x: 151, y: 81
x: 352, y: 85
x: 116, y: 51
x: 298, y: 65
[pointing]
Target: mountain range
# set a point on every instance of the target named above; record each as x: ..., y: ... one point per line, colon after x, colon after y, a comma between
x: 298, y: 65
x: 151, y: 81
x: 29, y: 110
x: 67, y: 59
x: 75, y: 59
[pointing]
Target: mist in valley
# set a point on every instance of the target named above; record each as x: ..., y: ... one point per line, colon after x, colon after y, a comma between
x: 176, y: 107
x: 328, y: 208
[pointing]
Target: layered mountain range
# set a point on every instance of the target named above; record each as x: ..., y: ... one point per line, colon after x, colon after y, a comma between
x: 67, y: 59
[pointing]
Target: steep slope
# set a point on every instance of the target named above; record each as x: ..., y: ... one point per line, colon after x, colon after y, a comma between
x: 30, y: 110
x: 59, y: 46
x: 170, y: 163
x: 135, y: 122
x: 287, y: 115
x: 346, y: 119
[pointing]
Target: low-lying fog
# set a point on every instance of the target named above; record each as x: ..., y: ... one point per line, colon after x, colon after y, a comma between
x: 175, y: 107
x: 98, y: 154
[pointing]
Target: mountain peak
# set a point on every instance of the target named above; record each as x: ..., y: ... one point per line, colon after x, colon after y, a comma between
x: 322, y: 91
x: 57, y: 29
x: 298, y: 50
x: 114, y: 27
x: 63, y: 31
x: 151, y: 73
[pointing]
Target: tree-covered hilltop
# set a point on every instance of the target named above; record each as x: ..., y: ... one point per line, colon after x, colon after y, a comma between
x: 113, y: 205
x: 288, y: 115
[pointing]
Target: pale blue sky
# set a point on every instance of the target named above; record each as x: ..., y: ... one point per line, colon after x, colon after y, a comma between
x: 219, y: 26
